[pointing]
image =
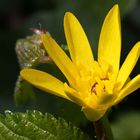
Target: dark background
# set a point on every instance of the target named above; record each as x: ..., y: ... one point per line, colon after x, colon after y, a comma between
x: 17, y: 16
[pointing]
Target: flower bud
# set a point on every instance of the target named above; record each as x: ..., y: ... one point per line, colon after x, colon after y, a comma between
x: 29, y: 50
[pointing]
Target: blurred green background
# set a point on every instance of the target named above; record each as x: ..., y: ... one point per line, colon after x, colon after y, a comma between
x: 18, y: 16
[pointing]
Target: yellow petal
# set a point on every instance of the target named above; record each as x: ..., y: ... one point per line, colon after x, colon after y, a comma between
x: 60, y: 59
x: 110, y: 40
x: 74, y: 95
x: 44, y: 81
x: 131, y: 86
x: 77, y: 41
x: 128, y: 65
x: 93, y: 114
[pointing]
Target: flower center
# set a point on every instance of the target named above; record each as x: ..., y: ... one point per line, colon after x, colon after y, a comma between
x: 103, y: 89
x: 99, y: 84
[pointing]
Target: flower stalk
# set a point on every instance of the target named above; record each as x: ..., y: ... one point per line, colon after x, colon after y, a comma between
x: 102, y: 129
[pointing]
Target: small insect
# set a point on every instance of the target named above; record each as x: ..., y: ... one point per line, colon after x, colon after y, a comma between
x: 38, y: 31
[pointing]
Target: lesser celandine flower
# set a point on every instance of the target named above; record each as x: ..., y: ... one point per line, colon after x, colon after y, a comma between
x: 95, y: 85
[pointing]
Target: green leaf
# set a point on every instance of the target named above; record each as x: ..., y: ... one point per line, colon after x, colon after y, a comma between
x: 33, y: 125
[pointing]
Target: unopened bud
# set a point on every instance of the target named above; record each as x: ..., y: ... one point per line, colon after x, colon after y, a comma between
x: 28, y: 50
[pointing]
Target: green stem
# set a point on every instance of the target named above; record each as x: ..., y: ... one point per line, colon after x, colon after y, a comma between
x: 102, y: 129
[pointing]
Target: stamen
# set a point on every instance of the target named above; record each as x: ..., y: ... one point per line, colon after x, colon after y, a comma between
x: 106, y: 78
x: 93, y: 89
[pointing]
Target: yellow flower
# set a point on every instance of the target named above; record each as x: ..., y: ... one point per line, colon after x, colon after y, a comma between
x: 94, y: 85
